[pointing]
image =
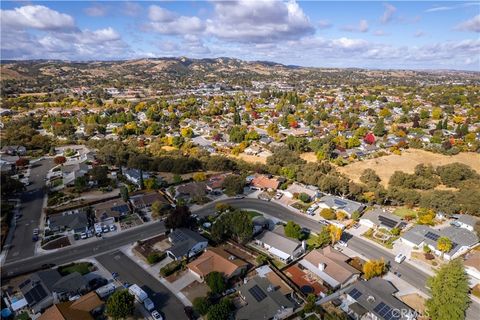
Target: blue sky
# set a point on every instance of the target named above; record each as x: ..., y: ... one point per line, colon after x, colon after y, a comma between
x: 375, y: 34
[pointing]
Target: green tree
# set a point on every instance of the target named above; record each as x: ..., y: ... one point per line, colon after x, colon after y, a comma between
x: 216, y: 282
x: 151, y: 183
x: 293, y: 230
x: 379, y: 129
x: 124, y: 193
x: 449, y: 292
x: 120, y: 305
x: 221, y: 310
x: 201, y: 305
x: 233, y: 184
x: 304, y: 197
x: 310, y: 303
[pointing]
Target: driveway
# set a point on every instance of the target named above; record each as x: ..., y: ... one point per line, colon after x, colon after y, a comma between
x: 185, y: 279
x: 165, y: 301
x: 32, y: 201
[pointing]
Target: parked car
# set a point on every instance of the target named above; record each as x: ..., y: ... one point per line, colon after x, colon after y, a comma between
x: 113, y: 227
x: 156, y: 315
x: 342, y: 243
x: 105, y: 229
x: 83, y: 235
x: 278, y: 195
x: 36, y: 231
x: 148, y: 304
x: 400, y: 257
x: 115, y: 275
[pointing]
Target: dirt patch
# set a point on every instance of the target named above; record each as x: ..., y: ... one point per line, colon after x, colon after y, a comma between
x: 309, y: 156
x: 415, y: 301
x: 387, y: 165
x: 251, y: 158
x: 195, y: 289
x: 57, y: 243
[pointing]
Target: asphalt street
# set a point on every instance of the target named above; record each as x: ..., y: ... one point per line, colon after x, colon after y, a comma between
x: 32, y: 199
x: 69, y: 254
x: 129, y: 271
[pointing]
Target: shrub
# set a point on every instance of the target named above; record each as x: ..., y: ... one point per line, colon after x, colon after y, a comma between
x: 155, y: 257
x: 328, y: 214
x: 201, y: 305
x: 170, y: 268
x: 340, y: 215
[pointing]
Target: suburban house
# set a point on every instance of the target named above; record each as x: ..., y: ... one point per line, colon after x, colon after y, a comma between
x: 264, y: 300
x: 191, y: 190
x: 374, y: 299
x: 80, y: 309
x: 465, y: 221
x: 217, y: 259
x: 14, y: 150
x: 379, y: 218
x: 341, y: 204
x: 215, y: 183
x: 472, y: 264
x: 112, y: 209
x: 281, y: 246
x: 135, y: 176
x: 297, y: 188
x: 70, y: 172
x: 331, y: 266
x: 76, y: 221
x: 185, y: 244
x: 264, y: 182
x: 44, y: 288
x: 145, y: 200
x: 420, y: 235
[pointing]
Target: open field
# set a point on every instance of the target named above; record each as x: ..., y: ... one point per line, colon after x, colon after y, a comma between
x: 387, y: 165
x: 252, y: 158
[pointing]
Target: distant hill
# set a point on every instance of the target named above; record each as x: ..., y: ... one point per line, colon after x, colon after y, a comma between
x: 172, y: 71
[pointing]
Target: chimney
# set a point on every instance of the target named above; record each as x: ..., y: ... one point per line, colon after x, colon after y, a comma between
x: 322, y: 266
x: 304, y: 245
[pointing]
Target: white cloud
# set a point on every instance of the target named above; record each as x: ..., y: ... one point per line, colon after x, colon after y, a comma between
x: 419, y: 33
x: 324, y: 24
x: 258, y: 21
x: 96, y: 10
x: 167, y: 22
x: 388, y: 13
x: 379, y: 33
x: 472, y: 25
x: 362, y: 27
x: 131, y: 9
x: 35, y: 17
x: 435, y: 9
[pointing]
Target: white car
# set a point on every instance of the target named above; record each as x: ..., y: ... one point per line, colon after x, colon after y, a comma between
x: 399, y: 258
x: 83, y: 235
x: 342, y: 243
x: 113, y: 227
x: 156, y: 315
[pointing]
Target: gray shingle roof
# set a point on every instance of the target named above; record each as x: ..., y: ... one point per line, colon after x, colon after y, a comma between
x: 374, y: 292
x: 264, y: 301
x: 338, y: 203
x: 183, y: 240
x: 279, y: 242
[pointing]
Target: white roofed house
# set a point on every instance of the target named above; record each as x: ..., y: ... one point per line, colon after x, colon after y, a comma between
x: 379, y: 218
x: 341, y: 204
x: 279, y: 245
x: 462, y: 239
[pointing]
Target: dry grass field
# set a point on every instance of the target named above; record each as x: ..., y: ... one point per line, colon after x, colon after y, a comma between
x: 387, y: 165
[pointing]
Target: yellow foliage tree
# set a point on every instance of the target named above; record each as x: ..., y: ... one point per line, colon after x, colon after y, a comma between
x: 374, y: 268
x: 444, y: 244
x: 199, y: 176
x: 335, y: 233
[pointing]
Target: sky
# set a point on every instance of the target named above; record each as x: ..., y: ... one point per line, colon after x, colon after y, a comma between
x: 374, y: 34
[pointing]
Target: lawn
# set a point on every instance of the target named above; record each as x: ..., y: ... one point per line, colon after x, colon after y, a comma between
x: 402, y: 212
x: 253, y: 214
x: 81, y: 267
x: 22, y: 316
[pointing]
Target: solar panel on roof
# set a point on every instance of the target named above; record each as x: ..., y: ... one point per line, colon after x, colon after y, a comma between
x: 339, y: 202
x: 257, y: 293
x: 354, y: 293
x: 122, y: 208
x: 387, y: 221
x: 35, y: 295
x: 23, y: 284
x: 432, y: 236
